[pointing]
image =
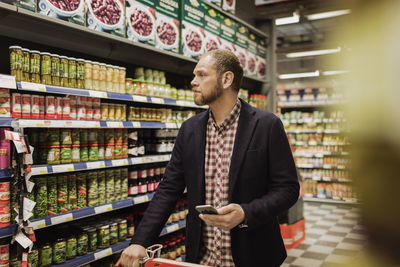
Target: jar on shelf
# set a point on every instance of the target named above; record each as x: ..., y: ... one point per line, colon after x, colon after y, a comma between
x: 148, y: 75
x: 45, y: 255
x: 139, y: 73
x: 102, y: 77
x: 80, y: 73
x: 93, y: 152
x: 111, y: 112
x: 136, y: 85
x: 150, y: 89
x: 115, y: 80
x: 128, y: 86
x: 25, y: 64
x: 92, y: 238
x: 88, y: 75
x: 59, y: 251
x: 84, y: 153
x: 64, y: 68
x: 16, y: 60
x: 71, y: 247
x: 82, y: 242
x: 143, y: 88
x: 66, y: 154
x: 35, y: 66
x: 53, y: 155
x: 103, y: 236
x: 156, y: 76
x: 45, y: 69
x: 75, y: 153
x: 55, y: 69
x: 72, y: 72
x: 109, y: 77
x: 95, y: 75
x: 122, y: 76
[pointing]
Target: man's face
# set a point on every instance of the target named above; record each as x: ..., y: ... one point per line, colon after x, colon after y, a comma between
x: 206, y: 84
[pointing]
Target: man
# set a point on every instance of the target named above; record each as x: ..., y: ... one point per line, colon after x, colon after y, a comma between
x: 234, y: 157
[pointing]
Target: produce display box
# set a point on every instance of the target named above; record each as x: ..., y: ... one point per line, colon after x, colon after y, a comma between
x: 141, y: 21
x: 229, y: 5
x: 69, y: 10
x: 228, y: 33
x: 106, y: 16
x: 242, y: 36
x: 167, y: 25
x: 252, y: 58
x: 192, y: 28
x: 212, y: 28
x: 26, y: 4
x: 261, y: 55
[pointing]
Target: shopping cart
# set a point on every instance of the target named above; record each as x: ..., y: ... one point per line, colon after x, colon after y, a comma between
x: 153, y: 259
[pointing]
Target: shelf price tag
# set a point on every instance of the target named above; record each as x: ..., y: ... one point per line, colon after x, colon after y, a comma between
x: 63, y: 168
x: 39, y: 170
x: 38, y: 224
x: 140, y: 199
x: 135, y: 161
x: 114, y: 124
x: 139, y: 98
x: 136, y: 124
x: 61, y: 219
x: 95, y: 165
x: 103, y: 208
x: 103, y: 253
x: 33, y: 86
x: 97, y: 94
x: 172, y: 228
x: 118, y: 162
x: 157, y: 100
x: 7, y: 81
x: 170, y: 125
x: 180, y: 103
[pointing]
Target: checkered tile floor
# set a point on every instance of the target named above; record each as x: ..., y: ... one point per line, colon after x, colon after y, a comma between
x: 334, y: 236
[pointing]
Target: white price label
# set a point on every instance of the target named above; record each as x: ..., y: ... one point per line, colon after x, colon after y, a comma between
x: 63, y: 168
x: 23, y: 240
x: 141, y: 199
x: 38, y: 224
x: 29, y: 204
x: 98, y: 94
x: 7, y: 81
x: 119, y: 162
x: 157, y: 100
x: 29, y: 185
x: 61, y: 219
x: 179, y: 125
x: 180, y: 103
x: 103, y: 253
x: 139, y: 98
x: 136, y: 124
x: 170, y: 125
x: 114, y: 124
x: 135, y: 161
x: 95, y: 165
x: 103, y: 209
x: 172, y: 228
x: 33, y: 86
x: 39, y: 170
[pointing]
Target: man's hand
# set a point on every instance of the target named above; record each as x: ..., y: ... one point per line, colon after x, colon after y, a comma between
x: 131, y: 255
x: 228, y: 217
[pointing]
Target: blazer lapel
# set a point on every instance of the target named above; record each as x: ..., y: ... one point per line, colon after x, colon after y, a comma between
x: 244, y: 132
x: 199, y: 154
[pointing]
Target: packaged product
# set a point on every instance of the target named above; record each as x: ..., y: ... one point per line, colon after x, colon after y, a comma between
x: 193, y: 38
x: 167, y: 25
x: 141, y: 21
x: 229, y: 5
x: 212, y: 28
x: 71, y: 11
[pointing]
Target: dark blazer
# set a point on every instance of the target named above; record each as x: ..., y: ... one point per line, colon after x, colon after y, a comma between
x: 262, y: 179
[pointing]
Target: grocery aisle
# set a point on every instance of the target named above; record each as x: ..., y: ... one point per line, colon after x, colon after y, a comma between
x: 334, y: 235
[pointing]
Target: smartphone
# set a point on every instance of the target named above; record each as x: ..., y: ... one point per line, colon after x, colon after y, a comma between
x: 206, y: 209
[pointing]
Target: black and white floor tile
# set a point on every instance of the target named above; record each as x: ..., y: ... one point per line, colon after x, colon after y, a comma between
x: 334, y: 236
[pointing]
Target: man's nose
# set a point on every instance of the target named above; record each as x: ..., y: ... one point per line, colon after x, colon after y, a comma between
x: 194, y: 82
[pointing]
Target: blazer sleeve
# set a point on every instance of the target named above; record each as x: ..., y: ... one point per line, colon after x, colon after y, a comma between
x: 165, y: 198
x: 283, y: 185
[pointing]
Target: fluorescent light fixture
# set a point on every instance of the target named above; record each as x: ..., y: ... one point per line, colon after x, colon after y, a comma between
x: 334, y: 72
x: 313, y: 53
x: 328, y: 14
x: 288, y: 20
x: 299, y: 75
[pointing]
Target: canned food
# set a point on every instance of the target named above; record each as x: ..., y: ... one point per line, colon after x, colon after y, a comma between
x: 96, y: 109
x: 75, y: 153
x: 40, y: 198
x: 53, y: 155
x: 81, y: 112
x: 33, y: 257
x: 53, y: 137
x: 52, y: 195
x: 66, y: 108
x: 59, y: 107
x: 84, y: 153
x: 82, y: 247
x: 66, y: 138
x: 5, y: 215
x: 111, y: 112
x: 92, y: 238
x: 113, y: 233
x: 109, y: 152
x: 110, y: 136
x: 88, y: 74
x: 55, y: 69
x: 66, y: 154
x: 92, y: 186
x: 101, y: 187
x: 45, y: 255
x: 16, y: 107
x: 59, y: 251
x: 81, y: 185
x: 71, y: 247
x: 5, y: 192
x: 72, y: 103
x: 103, y: 236
x: 35, y: 111
x: 89, y: 109
x: 45, y: 69
x: 104, y: 111
x: 4, y: 154
x: 72, y: 192
x: 83, y: 137
x: 62, y: 193
x: 5, y: 103
x: 50, y: 107
x: 16, y: 61
x: 101, y: 152
x: 118, y: 112
x: 42, y: 107
x: 100, y: 137
x: 122, y: 230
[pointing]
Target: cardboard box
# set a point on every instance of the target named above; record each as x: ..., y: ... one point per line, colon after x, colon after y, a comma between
x: 252, y: 59
x: 212, y: 28
x: 229, y: 5
x: 193, y: 37
x: 100, y: 19
x: 167, y: 25
x: 65, y: 10
x: 141, y: 21
x: 228, y: 33
x: 261, y: 54
x: 26, y: 4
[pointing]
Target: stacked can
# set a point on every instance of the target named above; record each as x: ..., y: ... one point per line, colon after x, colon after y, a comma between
x: 101, y: 183
x: 66, y: 143
x: 53, y: 149
x: 5, y: 203
x: 81, y: 185
x: 110, y: 185
x: 109, y: 144
x: 59, y: 107
x: 89, y: 109
x: 5, y: 103
x: 96, y: 109
x: 50, y: 107
x: 40, y: 198
x: 124, y: 183
x: 72, y: 192
x: 92, y: 189
x: 81, y: 108
x: 62, y: 193
x: 75, y: 150
x: 35, y: 107
x: 84, y: 153
x: 4, y: 253
x: 117, y: 184
x: 52, y: 207
x: 16, y: 105
x: 93, y: 145
x: 101, y: 143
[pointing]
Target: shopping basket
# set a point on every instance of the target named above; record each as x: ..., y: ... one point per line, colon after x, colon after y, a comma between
x: 153, y: 259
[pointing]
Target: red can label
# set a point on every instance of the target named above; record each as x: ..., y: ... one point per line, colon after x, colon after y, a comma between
x: 26, y: 106
x: 16, y: 105
x: 59, y: 108
x: 5, y: 193
x: 72, y: 113
x: 50, y: 107
x: 35, y: 109
x: 89, y: 113
x: 96, y: 113
x: 66, y: 108
x: 42, y: 107
x: 81, y: 112
x: 72, y: 100
x: 81, y: 100
x: 4, y: 254
x: 5, y: 215
x: 96, y: 102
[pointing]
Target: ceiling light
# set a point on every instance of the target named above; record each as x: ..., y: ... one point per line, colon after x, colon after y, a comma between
x: 329, y: 14
x: 313, y: 53
x: 299, y: 75
x: 334, y: 72
x: 288, y: 20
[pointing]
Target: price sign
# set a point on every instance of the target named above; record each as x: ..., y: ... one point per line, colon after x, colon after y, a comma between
x: 157, y: 100
x: 39, y: 170
x: 38, y: 224
x: 136, y: 124
x: 103, y: 253
x: 172, y: 228
x: 33, y: 86
x: 140, y: 199
x: 61, y: 219
x: 98, y: 94
x: 103, y: 209
x: 63, y: 168
x: 7, y: 81
x: 139, y: 98
x: 170, y: 125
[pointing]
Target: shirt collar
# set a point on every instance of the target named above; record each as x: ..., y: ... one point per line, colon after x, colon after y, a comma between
x: 225, y: 125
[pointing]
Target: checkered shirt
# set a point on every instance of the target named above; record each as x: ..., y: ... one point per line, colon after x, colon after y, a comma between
x: 219, y: 147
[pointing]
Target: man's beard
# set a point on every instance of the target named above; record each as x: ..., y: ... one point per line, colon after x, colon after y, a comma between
x: 208, y: 99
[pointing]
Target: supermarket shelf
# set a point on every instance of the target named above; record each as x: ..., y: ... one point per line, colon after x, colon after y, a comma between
x: 327, y: 200
x: 301, y: 104
x: 320, y: 154
x: 6, y: 231
x: 325, y: 166
x: 7, y: 122
x: 328, y: 131
x: 328, y: 179
x: 301, y: 143
x: 27, y: 86
x: 116, y: 248
x: 34, y: 123
x: 312, y: 120
x: 100, y: 164
x: 5, y: 173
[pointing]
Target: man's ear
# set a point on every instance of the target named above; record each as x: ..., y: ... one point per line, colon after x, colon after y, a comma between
x: 227, y: 79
